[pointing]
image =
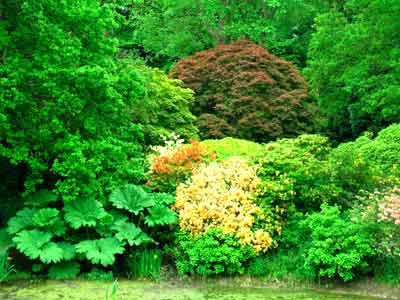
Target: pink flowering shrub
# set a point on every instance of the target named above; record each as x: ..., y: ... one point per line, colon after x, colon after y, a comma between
x: 389, y: 209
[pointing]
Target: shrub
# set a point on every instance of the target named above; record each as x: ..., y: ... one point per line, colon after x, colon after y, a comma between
x: 164, y: 106
x: 59, y: 236
x: 174, y: 163
x: 223, y: 195
x: 241, y: 90
x: 228, y: 147
x: 212, y: 253
x: 353, y: 67
x: 340, y: 245
x: 296, y: 171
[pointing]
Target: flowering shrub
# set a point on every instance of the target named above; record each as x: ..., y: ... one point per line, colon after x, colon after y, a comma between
x: 389, y: 210
x: 174, y: 162
x: 223, y: 195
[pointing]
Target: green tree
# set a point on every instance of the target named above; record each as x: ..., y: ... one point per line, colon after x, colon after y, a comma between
x: 63, y: 110
x: 163, y: 31
x: 354, y: 67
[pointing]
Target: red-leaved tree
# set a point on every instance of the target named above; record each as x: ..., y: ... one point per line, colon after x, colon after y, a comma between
x: 242, y: 90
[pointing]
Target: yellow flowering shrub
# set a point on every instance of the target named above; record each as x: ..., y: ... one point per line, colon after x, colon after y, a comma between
x: 222, y: 195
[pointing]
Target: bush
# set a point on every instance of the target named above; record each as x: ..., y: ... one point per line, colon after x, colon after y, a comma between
x: 340, y: 246
x: 50, y: 234
x: 228, y: 147
x: 212, y: 253
x: 164, y: 106
x: 241, y: 90
x: 174, y: 163
x: 296, y: 171
x: 223, y: 195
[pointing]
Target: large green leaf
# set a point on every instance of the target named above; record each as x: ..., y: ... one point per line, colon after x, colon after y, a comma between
x: 64, y: 270
x: 101, y: 251
x: 41, y: 198
x: 68, y: 250
x: 51, y: 253
x: 31, y: 242
x: 131, y: 233
x: 45, y: 217
x: 132, y: 198
x: 160, y: 215
x: 85, y: 212
x: 163, y: 198
x: 22, y: 220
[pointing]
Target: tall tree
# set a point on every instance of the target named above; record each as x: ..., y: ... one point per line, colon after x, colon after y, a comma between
x: 354, y: 67
x: 163, y: 31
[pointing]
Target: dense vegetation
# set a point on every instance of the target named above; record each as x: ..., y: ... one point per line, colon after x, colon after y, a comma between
x: 104, y: 172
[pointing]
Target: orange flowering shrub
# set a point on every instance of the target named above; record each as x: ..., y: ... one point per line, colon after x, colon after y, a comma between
x: 174, y: 164
x: 222, y: 195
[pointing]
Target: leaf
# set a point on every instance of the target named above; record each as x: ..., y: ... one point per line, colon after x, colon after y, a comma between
x: 45, y: 217
x: 85, y: 212
x: 5, y: 240
x: 31, y: 242
x: 41, y: 198
x: 50, y: 218
x: 68, y: 250
x: 160, y: 215
x: 64, y: 270
x: 51, y: 253
x: 163, y: 198
x: 131, y: 233
x: 22, y: 220
x: 132, y: 198
x: 101, y: 251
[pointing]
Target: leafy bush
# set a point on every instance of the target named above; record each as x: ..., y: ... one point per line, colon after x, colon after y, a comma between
x: 174, y: 163
x: 228, y: 147
x: 297, y: 171
x: 353, y: 67
x: 70, y: 126
x: 223, y: 195
x: 212, y: 253
x: 164, y: 106
x: 241, y: 90
x: 53, y: 236
x: 339, y: 245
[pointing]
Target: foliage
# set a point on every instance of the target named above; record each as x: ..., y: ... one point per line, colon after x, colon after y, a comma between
x: 132, y: 198
x: 97, y: 274
x: 164, y: 106
x: 100, y: 251
x: 228, y: 147
x: 63, y: 107
x: 85, y: 212
x: 339, y: 245
x: 212, y: 253
x: 5, y: 268
x: 241, y: 90
x: 223, y: 195
x: 65, y: 270
x: 297, y: 171
x: 174, y: 163
x: 112, y: 294
x: 353, y: 67
x: 161, y: 31
x: 55, y: 237
x: 145, y: 263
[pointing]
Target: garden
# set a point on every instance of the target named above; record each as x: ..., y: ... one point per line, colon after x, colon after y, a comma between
x: 210, y: 149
